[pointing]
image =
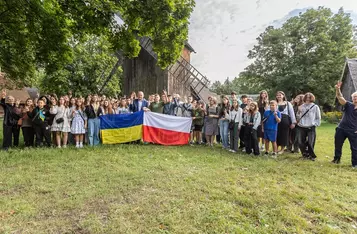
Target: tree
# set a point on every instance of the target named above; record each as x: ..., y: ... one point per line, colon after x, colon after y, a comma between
x: 37, y: 34
x: 223, y: 89
x: 355, y: 35
x: 92, y: 62
x: 306, y: 54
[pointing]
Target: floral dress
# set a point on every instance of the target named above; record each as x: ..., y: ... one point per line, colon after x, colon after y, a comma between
x: 78, y: 120
x: 61, y: 112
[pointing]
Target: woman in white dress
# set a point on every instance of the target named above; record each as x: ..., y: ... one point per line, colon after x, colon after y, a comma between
x: 79, y: 123
x: 61, y: 122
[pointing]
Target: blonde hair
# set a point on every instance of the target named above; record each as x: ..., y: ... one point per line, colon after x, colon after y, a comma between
x: 214, y: 99
x: 273, y: 102
x: 354, y: 94
x: 256, y: 109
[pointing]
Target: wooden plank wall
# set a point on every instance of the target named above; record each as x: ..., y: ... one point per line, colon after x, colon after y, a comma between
x: 142, y: 74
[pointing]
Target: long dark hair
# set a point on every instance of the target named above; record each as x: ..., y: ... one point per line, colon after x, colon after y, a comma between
x: 282, y: 93
x: 261, y: 102
x: 232, y: 107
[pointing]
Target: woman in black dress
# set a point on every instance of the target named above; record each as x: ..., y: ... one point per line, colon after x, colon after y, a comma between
x: 288, y: 121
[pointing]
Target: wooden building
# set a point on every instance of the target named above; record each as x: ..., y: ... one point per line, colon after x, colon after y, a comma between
x: 349, y: 78
x: 143, y: 74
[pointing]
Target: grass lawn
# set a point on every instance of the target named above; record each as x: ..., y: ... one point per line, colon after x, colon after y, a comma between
x: 156, y: 189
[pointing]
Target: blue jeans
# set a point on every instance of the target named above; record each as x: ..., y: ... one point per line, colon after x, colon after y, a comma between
x: 93, y: 131
x: 223, y: 131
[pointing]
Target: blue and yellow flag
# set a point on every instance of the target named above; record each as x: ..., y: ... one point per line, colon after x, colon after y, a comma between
x: 116, y: 129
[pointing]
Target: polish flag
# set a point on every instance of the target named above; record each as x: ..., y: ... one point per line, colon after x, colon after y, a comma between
x: 165, y: 129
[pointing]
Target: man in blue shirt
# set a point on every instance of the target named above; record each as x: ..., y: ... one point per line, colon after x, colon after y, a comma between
x: 347, y: 127
x: 270, y: 123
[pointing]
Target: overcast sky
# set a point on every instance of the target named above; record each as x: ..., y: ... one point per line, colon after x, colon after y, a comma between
x: 222, y: 31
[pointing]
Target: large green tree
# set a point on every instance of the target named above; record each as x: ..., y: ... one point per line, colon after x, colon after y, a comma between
x: 92, y: 63
x: 37, y: 34
x: 306, y: 54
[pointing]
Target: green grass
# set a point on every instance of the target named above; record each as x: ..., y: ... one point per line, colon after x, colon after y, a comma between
x: 156, y: 189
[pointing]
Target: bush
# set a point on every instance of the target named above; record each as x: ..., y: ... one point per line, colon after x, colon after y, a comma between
x: 332, y: 117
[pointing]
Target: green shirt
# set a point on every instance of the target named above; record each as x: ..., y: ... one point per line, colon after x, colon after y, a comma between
x: 199, y: 114
x: 157, y: 107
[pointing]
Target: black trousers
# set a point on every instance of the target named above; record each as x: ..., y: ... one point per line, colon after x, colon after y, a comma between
x: 43, y: 133
x: 340, y: 137
x: 307, y: 139
x: 29, y: 136
x: 234, y: 137
x: 242, y: 137
x: 11, y: 134
x: 251, y: 140
x: 294, y: 140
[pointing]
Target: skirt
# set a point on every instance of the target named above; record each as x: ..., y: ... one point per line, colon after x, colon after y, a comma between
x: 283, y: 131
x: 211, y: 127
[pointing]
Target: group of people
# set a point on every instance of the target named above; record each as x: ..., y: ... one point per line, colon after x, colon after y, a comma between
x: 237, y: 123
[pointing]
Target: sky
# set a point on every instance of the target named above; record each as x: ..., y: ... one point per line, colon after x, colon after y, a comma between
x: 223, y: 31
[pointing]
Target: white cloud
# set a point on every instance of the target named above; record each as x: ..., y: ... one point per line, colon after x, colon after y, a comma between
x: 222, y: 31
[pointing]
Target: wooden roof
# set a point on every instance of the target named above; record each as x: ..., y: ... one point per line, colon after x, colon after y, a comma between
x: 18, y: 93
x: 352, y: 68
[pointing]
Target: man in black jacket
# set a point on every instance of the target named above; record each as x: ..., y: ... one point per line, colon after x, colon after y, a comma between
x: 11, y: 116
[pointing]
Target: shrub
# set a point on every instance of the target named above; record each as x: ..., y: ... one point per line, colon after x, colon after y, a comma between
x: 332, y: 117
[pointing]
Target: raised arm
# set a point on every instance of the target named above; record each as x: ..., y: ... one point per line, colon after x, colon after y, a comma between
x: 3, y: 97
x: 339, y: 95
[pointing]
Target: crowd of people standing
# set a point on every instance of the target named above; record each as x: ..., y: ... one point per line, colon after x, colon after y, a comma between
x: 237, y: 123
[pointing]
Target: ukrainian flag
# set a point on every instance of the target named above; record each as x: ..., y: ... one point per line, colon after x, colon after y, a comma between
x: 116, y: 129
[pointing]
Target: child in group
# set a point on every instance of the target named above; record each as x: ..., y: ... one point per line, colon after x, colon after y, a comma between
x: 270, y: 123
x: 27, y: 126
x: 40, y: 118
x: 107, y: 108
x: 198, y: 115
x: 79, y: 123
x: 252, y: 121
x: 61, y: 123
x: 235, y: 117
x: 123, y: 107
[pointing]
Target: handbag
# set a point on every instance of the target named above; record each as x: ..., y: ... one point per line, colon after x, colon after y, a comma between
x: 232, y: 122
x: 61, y: 120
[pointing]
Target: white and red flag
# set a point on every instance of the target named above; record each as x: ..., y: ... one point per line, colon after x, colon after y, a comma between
x: 165, y: 129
